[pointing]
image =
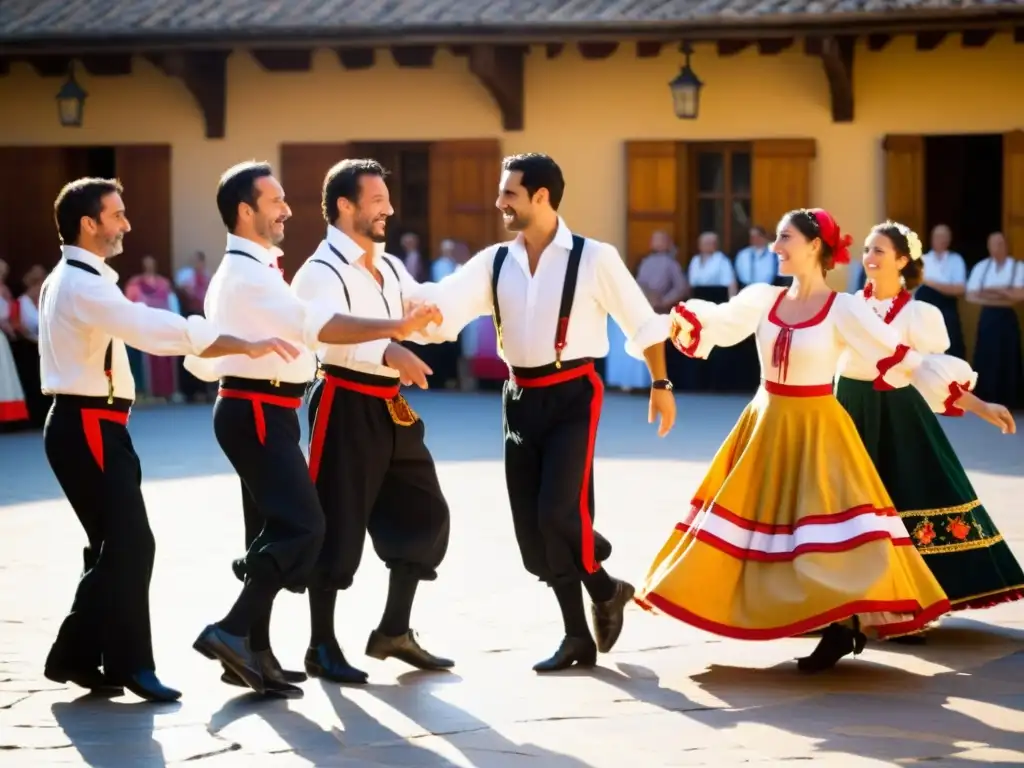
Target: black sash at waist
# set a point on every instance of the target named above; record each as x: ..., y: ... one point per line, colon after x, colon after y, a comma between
x: 264, y: 386
x: 87, y: 402
x: 360, y: 377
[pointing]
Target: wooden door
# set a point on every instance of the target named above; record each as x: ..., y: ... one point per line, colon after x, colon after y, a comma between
x: 656, y: 194
x: 463, y: 178
x: 302, y: 171
x: 781, y: 179
x: 1013, y: 192
x: 904, y: 181
x: 145, y: 172
x: 28, y: 234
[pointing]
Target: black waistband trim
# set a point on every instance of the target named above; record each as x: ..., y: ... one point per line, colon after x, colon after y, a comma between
x: 264, y: 387
x: 550, y: 369
x: 83, y: 402
x: 360, y: 377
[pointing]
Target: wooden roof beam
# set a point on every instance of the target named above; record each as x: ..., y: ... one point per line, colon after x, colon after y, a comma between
x: 356, y: 58
x: 204, y: 74
x: 414, y: 56
x: 836, y: 55
x: 284, y: 59
x: 499, y: 68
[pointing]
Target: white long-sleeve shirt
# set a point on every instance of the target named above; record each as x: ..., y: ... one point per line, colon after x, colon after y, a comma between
x: 249, y: 298
x: 530, y: 303
x: 324, y: 291
x: 80, y: 313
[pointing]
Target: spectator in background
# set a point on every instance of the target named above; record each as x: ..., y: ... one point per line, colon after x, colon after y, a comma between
x: 945, y: 280
x: 445, y: 262
x: 411, y: 257
x: 155, y: 291
x: 25, y: 346
x: 192, y: 283
x: 13, y: 411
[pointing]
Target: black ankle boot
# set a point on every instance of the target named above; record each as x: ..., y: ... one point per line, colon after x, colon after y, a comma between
x: 836, y: 642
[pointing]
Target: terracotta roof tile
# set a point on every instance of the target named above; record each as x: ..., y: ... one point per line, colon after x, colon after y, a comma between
x: 24, y: 20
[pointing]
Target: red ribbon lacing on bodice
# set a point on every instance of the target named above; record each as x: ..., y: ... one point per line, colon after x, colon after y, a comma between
x: 780, y: 351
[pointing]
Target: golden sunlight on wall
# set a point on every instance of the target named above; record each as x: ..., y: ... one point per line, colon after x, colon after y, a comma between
x: 579, y: 111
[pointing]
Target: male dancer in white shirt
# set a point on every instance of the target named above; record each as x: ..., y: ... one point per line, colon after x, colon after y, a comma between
x: 372, y: 470
x: 84, y: 322
x: 550, y: 292
x: 255, y: 417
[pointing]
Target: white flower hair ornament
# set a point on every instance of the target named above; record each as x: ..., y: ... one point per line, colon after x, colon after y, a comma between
x: 913, y: 241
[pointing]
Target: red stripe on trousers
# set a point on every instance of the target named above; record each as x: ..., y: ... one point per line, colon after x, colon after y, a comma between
x: 590, y: 563
x: 258, y: 399
x: 323, y: 413
x: 91, y: 418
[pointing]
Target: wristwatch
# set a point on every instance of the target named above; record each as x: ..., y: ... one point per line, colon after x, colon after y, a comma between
x: 662, y: 384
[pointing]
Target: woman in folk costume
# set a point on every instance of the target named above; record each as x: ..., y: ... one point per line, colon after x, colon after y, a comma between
x: 13, y: 410
x: 924, y: 478
x: 792, y: 528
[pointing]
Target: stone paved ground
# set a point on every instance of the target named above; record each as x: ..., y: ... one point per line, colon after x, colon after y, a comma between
x: 668, y: 696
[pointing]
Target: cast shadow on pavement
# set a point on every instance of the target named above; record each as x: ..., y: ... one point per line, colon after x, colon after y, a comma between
x: 864, y: 708
x: 439, y: 728
x: 107, y: 733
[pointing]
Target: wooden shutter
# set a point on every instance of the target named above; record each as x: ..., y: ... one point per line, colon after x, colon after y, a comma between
x: 28, y: 234
x: 464, y: 177
x: 302, y: 170
x: 656, y: 194
x: 781, y: 179
x: 145, y: 172
x: 904, y: 181
x: 1013, y: 192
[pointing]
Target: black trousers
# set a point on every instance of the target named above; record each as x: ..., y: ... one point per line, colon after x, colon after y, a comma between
x: 257, y: 427
x: 997, y: 357
x: 89, y: 449
x: 550, y: 432
x: 373, y: 476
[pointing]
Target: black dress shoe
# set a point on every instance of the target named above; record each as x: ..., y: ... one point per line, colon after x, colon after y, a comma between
x: 91, y: 678
x: 278, y: 682
x: 608, y: 616
x: 233, y: 652
x: 573, y: 650
x: 327, y: 662
x: 406, y: 648
x: 270, y: 667
x: 146, y: 685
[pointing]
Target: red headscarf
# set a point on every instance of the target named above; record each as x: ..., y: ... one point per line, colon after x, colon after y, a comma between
x: 831, y: 236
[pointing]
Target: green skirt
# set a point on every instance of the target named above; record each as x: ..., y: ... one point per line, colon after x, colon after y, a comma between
x: 930, y: 489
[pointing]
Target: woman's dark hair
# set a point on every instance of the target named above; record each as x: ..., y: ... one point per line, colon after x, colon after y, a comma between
x: 806, y: 224
x: 912, y: 272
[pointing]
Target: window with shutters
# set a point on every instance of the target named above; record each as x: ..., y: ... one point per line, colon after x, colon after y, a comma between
x: 721, y: 193
x: 685, y: 188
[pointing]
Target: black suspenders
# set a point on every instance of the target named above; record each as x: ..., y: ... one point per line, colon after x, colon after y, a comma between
x: 337, y: 274
x: 572, y: 272
x: 108, y: 355
x: 345, y: 261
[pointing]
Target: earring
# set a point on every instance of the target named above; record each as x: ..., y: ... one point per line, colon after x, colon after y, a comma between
x: 903, y: 282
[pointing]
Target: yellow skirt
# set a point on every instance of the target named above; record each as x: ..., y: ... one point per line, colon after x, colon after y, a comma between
x: 792, y: 530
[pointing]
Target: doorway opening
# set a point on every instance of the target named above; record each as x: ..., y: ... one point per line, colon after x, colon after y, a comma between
x: 963, y: 177
x: 408, y: 164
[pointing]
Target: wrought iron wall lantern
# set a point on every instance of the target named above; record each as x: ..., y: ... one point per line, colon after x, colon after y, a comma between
x: 71, y: 101
x: 686, y: 89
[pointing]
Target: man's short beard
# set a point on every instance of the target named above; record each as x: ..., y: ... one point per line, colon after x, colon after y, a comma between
x: 366, y: 230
